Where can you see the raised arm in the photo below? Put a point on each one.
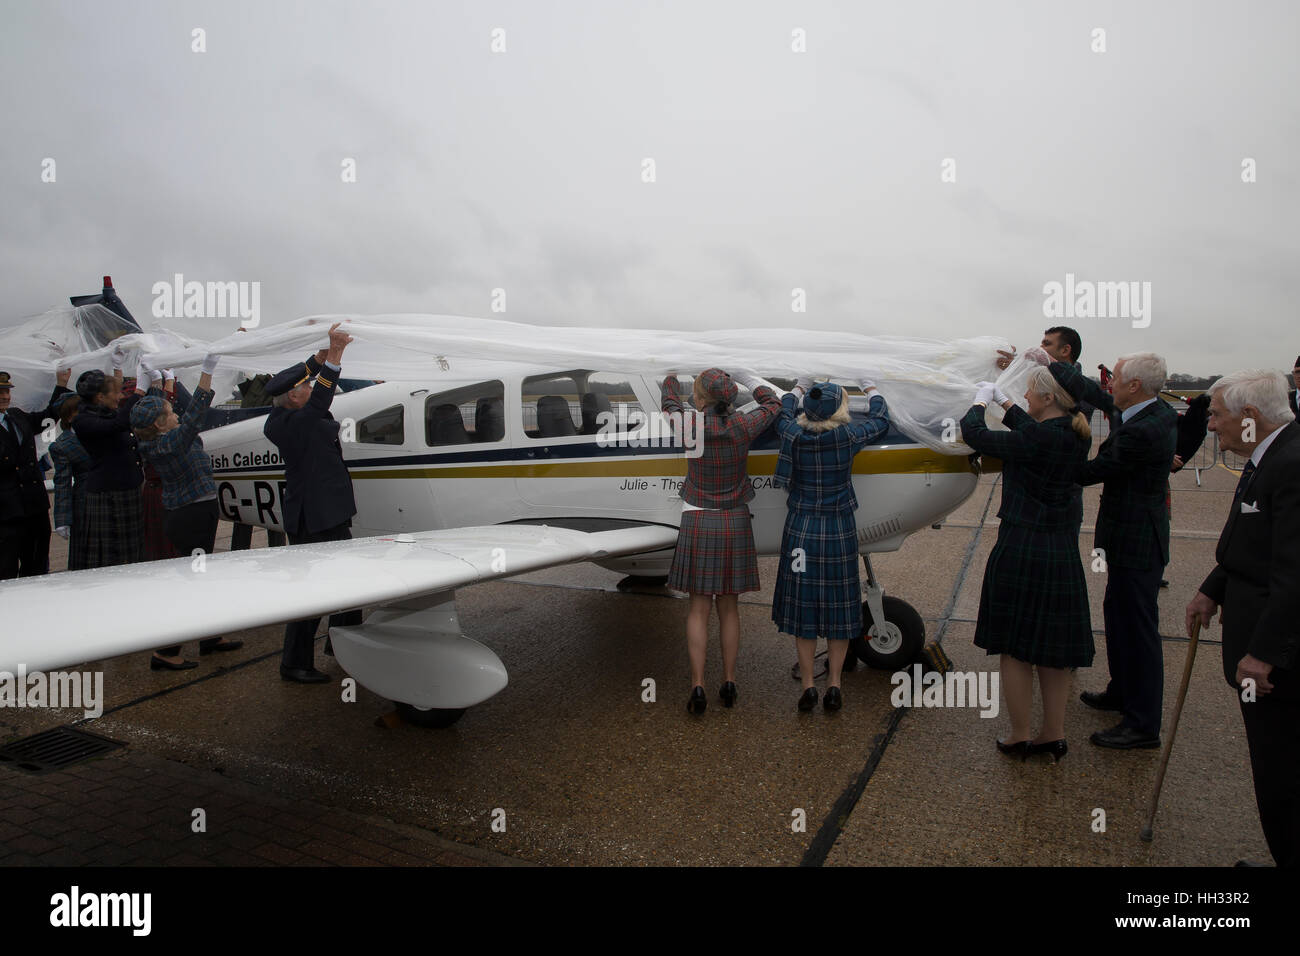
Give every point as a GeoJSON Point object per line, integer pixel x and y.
{"type": "Point", "coordinates": [1008, 445]}
{"type": "Point", "coordinates": [755, 422]}
{"type": "Point", "coordinates": [670, 391]}
{"type": "Point", "coordinates": [877, 421]}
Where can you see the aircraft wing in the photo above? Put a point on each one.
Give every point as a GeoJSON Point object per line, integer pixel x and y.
{"type": "Point", "coordinates": [58, 620]}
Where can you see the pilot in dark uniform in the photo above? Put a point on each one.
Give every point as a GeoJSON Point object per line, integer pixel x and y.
{"type": "Point", "coordinates": [24, 503]}
{"type": "Point", "coordinates": [318, 502]}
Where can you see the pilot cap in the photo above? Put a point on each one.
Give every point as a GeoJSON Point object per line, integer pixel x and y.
{"type": "Point", "coordinates": [822, 401]}
{"type": "Point", "coordinates": [717, 385]}
{"type": "Point", "coordinates": [5, 381]}
{"type": "Point", "coordinates": [146, 411]}
{"type": "Point", "coordinates": [288, 379]}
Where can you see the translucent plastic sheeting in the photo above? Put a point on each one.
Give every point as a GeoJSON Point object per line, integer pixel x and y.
{"type": "Point", "coordinates": [928, 383]}
{"type": "Point", "coordinates": [82, 337]}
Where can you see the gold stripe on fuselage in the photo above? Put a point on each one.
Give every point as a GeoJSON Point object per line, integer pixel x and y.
{"type": "Point", "coordinates": [882, 461]}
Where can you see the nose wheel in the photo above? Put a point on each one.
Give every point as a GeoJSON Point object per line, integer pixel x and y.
{"type": "Point", "coordinates": [893, 634]}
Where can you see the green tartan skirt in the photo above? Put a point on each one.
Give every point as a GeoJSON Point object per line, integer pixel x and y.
{"type": "Point", "coordinates": [1034, 602]}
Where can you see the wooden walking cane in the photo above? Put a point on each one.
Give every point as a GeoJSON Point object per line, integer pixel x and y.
{"type": "Point", "coordinates": [1173, 729]}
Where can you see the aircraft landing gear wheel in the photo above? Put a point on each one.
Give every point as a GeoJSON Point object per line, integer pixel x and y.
{"type": "Point", "coordinates": [898, 643]}
{"type": "Point", "coordinates": [434, 717]}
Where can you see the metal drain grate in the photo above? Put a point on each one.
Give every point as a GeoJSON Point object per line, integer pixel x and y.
{"type": "Point", "coordinates": [54, 750]}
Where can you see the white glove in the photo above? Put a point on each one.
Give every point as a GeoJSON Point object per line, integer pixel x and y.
{"type": "Point", "coordinates": [63, 531]}
{"type": "Point", "coordinates": [746, 377]}
{"type": "Point", "coordinates": [210, 363]}
{"type": "Point", "coordinates": [868, 386]}
{"type": "Point", "coordinates": [119, 358]}
{"type": "Point", "coordinates": [1038, 355]}
{"type": "Point", "coordinates": [169, 375]}
{"type": "Point", "coordinates": [152, 375]}
{"type": "Point", "coordinates": [984, 392]}
{"type": "Point", "coordinates": [1000, 396]}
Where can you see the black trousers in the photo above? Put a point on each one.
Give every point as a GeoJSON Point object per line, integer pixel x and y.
{"type": "Point", "coordinates": [1273, 734]}
{"type": "Point", "coordinates": [1133, 651]}
{"type": "Point", "coordinates": [241, 537]}
{"type": "Point", "coordinates": [300, 636]}
{"type": "Point", "coordinates": [191, 528]}
{"type": "Point", "coordinates": [25, 546]}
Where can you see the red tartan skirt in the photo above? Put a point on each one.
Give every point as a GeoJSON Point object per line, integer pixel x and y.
{"type": "Point", "coordinates": [157, 545]}
{"type": "Point", "coordinates": [715, 553]}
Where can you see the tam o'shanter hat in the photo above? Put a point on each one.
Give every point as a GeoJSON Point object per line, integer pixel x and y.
{"type": "Point", "coordinates": [717, 385]}
{"type": "Point", "coordinates": [288, 379]}
{"type": "Point", "coordinates": [146, 411]}
{"type": "Point", "coordinates": [822, 401]}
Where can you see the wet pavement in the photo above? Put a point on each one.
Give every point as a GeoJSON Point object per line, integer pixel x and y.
{"type": "Point", "coordinates": [571, 764]}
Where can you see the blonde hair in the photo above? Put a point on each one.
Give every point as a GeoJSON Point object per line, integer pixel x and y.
{"type": "Point", "coordinates": [841, 417]}
{"type": "Point", "coordinates": [1044, 383]}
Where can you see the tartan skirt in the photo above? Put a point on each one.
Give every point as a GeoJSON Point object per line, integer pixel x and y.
{"type": "Point", "coordinates": [818, 593]}
{"type": "Point", "coordinates": [112, 526]}
{"type": "Point", "coordinates": [1034, 601]}
{"type": "Point", "coordinates": [156, 543]}
{"type": "Point", "coordinates": [715, 553]}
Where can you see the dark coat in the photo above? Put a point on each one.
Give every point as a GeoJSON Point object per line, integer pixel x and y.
{"type": "Point", "coordinates": [22, 483]}
{"type": "Point", "coordinates": [1133, 466]}
{"type": "Point", "coordinates": [1258, 571]}
{"type": "Point", "coordinates": [318, 488]}
{"type": "Point", "coordinates": [1039, 461]}
{"type": "Point", "coordinates": [107, 437]}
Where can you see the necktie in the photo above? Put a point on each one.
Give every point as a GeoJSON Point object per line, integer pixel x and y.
{"type": "Point", "coordinates": [1244, 480]}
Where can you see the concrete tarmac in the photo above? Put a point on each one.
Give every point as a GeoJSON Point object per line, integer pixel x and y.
{"type": "Point", "coordinates": [570, 764]}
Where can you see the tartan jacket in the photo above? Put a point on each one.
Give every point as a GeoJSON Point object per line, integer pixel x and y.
{"type": "Point", "coordinates": [1133, 466]}
{"type": "Point", "coordinates": [822, 478]}
{"type": "Point", "coordinates": [1039, 461]}
{"type": "Point", "coordinates": [719, 477]}
{"type": "Point", "coordinates": [71, 462]}
{"type": "Point", "coordinates": [178, 456]}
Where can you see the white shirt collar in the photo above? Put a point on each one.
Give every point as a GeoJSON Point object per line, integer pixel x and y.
{"type": "Point", "coordinates": [1262, 447]}
{"type": "Point", "coordinates": [1134, 409]}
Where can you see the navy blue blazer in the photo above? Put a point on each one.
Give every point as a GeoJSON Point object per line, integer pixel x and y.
{"type": "Point", "coordinates": [317, 486]}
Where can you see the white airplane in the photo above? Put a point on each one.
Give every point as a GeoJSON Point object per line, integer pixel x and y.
{"type": "Point", "coordinates": [489, 474]}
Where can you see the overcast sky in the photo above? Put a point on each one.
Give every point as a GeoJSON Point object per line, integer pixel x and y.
{"type": "Point", "coordinates": [774, 169]}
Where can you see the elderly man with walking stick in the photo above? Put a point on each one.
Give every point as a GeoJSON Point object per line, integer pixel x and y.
{"type": "Point", "coordinates": [1257, 583]}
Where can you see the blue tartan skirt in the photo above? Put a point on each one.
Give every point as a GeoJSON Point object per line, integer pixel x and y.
{"type": "Point", "coordinates": [818, 593]}
{"type": "Point", "coordinates": [113, 528]}
{"type": "Point", "coordinates": [1034, 601]}
{"type": "Point", "coordinates": [715, 553]}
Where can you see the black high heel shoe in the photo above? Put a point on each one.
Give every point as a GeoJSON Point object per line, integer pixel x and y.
{"type": "Point", "coordinates": [727, 693]}
{"type": "Point", "coordinates": [698, 701]}
{"type": "Point", "coordinates": [1057, 748]}
{"type": "Point", "coordinates": [1019, 749]}
{"type": "Point", "coordinates": [809, 699]}
{"type": "Point", "coordinates": [833, 700]}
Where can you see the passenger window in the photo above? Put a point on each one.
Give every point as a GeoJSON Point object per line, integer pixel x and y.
{"type": "Point", "coordinates": [474, 414]}
{"type": "Point", "coordinates": [383, 428]}
{"type": "Point", "coordinates": [569, 404]}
